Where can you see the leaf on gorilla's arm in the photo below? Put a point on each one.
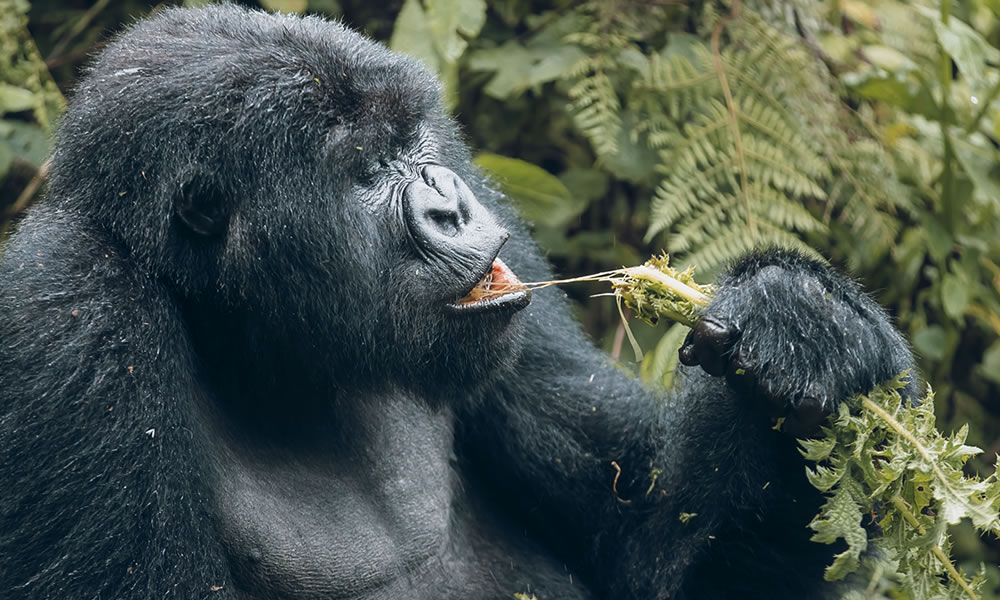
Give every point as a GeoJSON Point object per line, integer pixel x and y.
{"type": "Point", "coordinates": [840, 518]}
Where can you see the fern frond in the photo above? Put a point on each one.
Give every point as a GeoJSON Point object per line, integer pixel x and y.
{"type": "Point", "coordinates": [747, 168]}
{"type": "Point", "coordinates": [595, 103]}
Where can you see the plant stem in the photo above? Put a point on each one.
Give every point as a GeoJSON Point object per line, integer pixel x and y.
{"type": "Point", "coordinates": [681, 289]}
{"type": "Point", "coordinates": [904, 510]}
{"type": "Point", "coordinates": [941, 481]}
{"type": "Point", "coordinates": [889, 420]}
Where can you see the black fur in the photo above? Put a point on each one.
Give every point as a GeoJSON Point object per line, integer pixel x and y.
{"type": "Point", "coordinates": [227, 371]}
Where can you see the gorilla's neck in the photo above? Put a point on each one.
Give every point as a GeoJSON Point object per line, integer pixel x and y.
{"type": "Point", "coordinates": [265, 373]}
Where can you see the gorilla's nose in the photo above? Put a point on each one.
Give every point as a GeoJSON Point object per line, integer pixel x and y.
{"type": "Point", "coordinates": [443, 216]}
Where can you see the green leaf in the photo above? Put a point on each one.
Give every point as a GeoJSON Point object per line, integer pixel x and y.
{"type": "Point", "coordinates": [519, 67]}
{"type": "Point", "coordinates": [979, 160]}
{"type": "Point", "coordinates": [990, 367]}
{"type": "Point", "coordinates": [954, 296]}
{"type": "Point", "coordinates": [587, 185]}
{"type": "Point", "coordinates": [511, 63]}
{"type": "Point", "coordinates": [634, 161]}
{"type": "Point", "coordinates": [970, 50]}
{"type": "Point", "coordinates": [540, 196]}
{"type": "Point", "coordinates": [900, 469]}
{"type": "Point", "coordinates": [840, 518]}
{"type": "Point", "coordinates": [683, 44]}
{"type": "Point", "coordinates": [892, 88]}
{"type": "Point", "coordinates": [817, 449]}
{"type": "Point", "coordinates": [411, 35]}
{"type": "Point", "coordinates": [15, 99]}
{"type": "Point", "coordinates": [285, 6]}
{"type": "Point", "coordinates": [450, 20]}
{"type": "Point", "coordinates": [939, 241]}
{"type": "Point", "coordinates": [658, 366]}
{"type": "Point", "coordinates": [434, 36]}
{"type": "Point", "coordinates": [931, 342]}
{"type": "Point", "coordinates": [887, 58]}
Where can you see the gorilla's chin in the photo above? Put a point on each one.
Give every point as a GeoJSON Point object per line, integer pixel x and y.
{"type": "Point", "coordinates": [475, 350]}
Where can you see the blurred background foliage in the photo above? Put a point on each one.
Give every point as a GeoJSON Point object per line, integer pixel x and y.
{"type": "Point", "coordinates": [862, 131]}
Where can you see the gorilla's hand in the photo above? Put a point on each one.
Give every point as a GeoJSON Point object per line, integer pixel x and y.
{"type": "Point", "coordinates": [796, 337]}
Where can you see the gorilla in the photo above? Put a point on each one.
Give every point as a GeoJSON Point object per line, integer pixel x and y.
{"type": "Point", "coordinates": [266, 338]}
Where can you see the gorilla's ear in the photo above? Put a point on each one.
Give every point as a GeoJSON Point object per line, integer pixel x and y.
{"type": "Point", "coordinates": [200, 204]}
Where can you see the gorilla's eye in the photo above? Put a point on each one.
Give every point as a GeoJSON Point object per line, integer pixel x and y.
{"type": "Point", "coordinates": [374, 170]}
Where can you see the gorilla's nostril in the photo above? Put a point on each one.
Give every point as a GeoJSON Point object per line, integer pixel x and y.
{"type": "Point", "coordinates": [446, 221]}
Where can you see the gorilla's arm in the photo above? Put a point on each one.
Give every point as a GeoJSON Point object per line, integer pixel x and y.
{"type": "Point", "coordinates": [102, 478]}
{"type": "Point", "coordinates": [706, 486]}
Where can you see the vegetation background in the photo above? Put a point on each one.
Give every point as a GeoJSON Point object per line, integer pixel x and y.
{"type": "Point", "coordinates": [863, 131]}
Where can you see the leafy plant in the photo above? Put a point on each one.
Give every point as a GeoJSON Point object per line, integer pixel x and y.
{"type": "Point", "coordinates": [881, 460]}
{"type": "Point", "coordinates": [877, 458]}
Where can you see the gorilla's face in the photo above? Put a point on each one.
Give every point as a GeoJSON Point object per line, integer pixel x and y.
{"type": "Point", "coordinates": [437, 300]}
{"type": "Point", "coordinates": [312, 202]}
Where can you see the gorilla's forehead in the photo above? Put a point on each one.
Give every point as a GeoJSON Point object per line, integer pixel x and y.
{"type": "Point", "coordinates": [231, 71]}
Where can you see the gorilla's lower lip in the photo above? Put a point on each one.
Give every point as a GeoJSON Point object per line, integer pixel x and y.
{"type": "Point", "coordinates": [498, 288]}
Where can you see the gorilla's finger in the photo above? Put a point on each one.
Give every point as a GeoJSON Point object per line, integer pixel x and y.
{"type": "Point", "coordinates": [709, 344]}
{"type": "Point", "coordinates": [710, 359]}
{"type": "Point", "coordinates": [686, 353]}
{"type": "Point", "coordinates": [716, 334]}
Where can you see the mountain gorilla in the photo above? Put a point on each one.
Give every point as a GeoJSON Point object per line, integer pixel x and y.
{"type": "Point", "coordinates": [262, 341]}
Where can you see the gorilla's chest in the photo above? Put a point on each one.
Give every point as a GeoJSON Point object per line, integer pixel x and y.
{"type": "Point", "coordinates": [340, 508]}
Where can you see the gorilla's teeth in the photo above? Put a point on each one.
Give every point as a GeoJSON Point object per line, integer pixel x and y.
{"type": "Point", "coordinates": [498, 281]}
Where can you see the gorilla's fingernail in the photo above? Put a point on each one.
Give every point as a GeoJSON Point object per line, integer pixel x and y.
{"type": "Point", "coordinates": [686, 355]}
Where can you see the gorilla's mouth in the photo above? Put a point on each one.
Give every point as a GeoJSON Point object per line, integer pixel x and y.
{"type": "Point", "coordinates": [498, 288]}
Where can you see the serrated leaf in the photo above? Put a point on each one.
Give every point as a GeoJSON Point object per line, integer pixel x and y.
{"type": "Point", "coordinates": [841, 519]}
{"type": "Point", "coordinates": [897, 466]}
{"type": "Point", "coordinates": [823, 478]}
{"type": "Point", "coordinates": [817, 449]}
